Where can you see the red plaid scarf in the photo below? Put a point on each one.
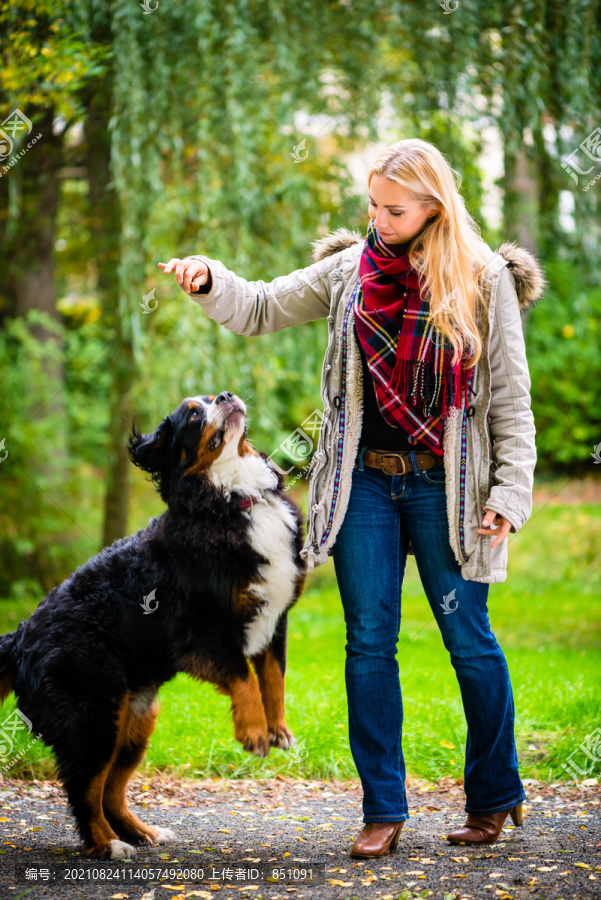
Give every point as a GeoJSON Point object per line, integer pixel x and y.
{"type": "Point", "coordinates": [414, 382]}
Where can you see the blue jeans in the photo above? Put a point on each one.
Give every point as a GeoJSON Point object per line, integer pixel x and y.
{"type": "Point", "coordinates": [370, 553]}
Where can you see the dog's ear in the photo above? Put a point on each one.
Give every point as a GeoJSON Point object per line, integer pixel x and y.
{"type": "Point", "coordinates": [152, 452]}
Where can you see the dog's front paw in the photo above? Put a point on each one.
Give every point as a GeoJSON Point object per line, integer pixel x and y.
{"type": "Point", "coordinates": [121, 850]}
{"type": "Point", "coordinates": [256, 741]}
{"type": "Point", "coordinates": [281, 736]}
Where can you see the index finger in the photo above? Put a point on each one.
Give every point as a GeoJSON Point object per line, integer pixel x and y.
{"type": "Point", "coordinates": [170, 266]}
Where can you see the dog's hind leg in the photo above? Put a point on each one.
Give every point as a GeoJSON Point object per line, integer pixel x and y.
{"type": "Point", "coordinates": [139, 725]}
{"type": "Point", "coordinates": [85, 779]}
{"type": "Point", "coordinates": [270, 666]}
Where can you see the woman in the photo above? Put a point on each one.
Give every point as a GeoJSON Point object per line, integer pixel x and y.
{"type": "Point", "coordinates": [427, 426]}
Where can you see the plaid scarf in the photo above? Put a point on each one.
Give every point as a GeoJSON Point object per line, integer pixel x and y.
{"type": "Point", "coordinates": [409, 360]}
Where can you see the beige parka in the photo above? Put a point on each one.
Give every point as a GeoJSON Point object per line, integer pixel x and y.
{"type": "Point", "coordinates": [489, 446]}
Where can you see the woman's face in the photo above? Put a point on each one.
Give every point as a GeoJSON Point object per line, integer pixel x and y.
{"type": "Point", "coordinates": [397, 216]}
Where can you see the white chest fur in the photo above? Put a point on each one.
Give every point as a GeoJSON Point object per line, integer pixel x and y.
{"type": "Point", "coordinates": [272, 526]}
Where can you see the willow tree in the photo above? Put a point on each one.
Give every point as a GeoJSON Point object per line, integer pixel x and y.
{"type": "Point", "coordinates": [532, 68]}
{"type": "Point", "coordinates": [203, 97]}
{"type": "Point", "coordinates": [191, 119]}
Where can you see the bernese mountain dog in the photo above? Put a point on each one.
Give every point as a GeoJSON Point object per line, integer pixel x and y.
{"type": "Point", "coordinates": [203, 589]}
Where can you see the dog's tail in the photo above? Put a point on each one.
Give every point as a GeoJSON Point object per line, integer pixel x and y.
{"type": "Point", "coordinates": [7, 664]}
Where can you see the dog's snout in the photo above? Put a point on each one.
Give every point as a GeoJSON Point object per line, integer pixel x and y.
{"type": "Point", "coordinates": [224, 397]}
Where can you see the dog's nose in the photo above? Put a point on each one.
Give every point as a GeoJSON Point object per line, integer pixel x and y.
{"type": "Point", "coordinates": [224, 397]}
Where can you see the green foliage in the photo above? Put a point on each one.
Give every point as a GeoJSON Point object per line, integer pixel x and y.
{"type": "Point", "coordinates": [564, 355]}
{"type": "Point", "coordinates": [47, 56]}
{"type": "Point", "coordinates": [40, 540]}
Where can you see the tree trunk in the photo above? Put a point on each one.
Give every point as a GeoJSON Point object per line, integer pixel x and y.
{"type": "Point", "coordinates": [521, 201]}
{"type": "Point", "coordinates": [38, 188]}
{"type": "Point", "coordinates": [105, 227]}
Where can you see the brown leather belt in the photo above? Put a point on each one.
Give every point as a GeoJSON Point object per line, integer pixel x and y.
{"type": "Point", "coordinates": [399, 463]}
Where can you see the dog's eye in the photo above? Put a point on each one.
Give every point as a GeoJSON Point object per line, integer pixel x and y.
{"type": "Point", "coordinates": [193, 414]}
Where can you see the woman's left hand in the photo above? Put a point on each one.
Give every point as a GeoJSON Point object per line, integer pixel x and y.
{"type": "Point", "coordinates": [502, 529]}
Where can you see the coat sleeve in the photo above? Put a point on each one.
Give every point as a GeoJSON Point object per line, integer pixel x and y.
{"type": "Point", "coordinates": [259, 307]}
{"type": "Point", "coordinates": [510, 415]}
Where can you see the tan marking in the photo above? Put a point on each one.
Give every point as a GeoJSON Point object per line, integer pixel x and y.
{"type": "Point", "coordinates": [183, 456]}
{"type": "Point", "coordinates": [101, 831]}
{"type": "Point", "coordinates": [246, 449]}
{"type": "Point", "coordinates": [138, 728]}
{"type": "Point", "coordinates": [248, 600]}
{"type": "Point", "coordinates": [205, 457]}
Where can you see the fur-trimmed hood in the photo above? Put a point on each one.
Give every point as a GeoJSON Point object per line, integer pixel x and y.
{"type": "Point", "coordinates": [528, 273]}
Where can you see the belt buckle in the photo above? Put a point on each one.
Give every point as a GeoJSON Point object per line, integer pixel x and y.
{"type": "Point", "coordinates": [397, 456]}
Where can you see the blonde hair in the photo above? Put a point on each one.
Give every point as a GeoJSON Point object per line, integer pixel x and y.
{"type": "Point", "coordinates": [448, 253]}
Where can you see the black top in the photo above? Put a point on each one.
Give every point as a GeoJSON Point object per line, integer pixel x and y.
{"type": "Point", "coordinates": [376, 433]}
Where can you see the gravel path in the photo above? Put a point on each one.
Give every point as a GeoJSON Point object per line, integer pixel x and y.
{"type": "Point", "coordinates": [280, 822]}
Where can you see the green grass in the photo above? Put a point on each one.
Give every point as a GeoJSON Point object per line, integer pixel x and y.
{"type": "Point", "coordinates": [547, 617]}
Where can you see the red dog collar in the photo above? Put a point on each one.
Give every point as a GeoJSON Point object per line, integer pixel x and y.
{"type": "Point", "coordinates": [247, 502]}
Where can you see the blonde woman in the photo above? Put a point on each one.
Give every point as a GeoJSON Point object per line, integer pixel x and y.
{"type": "Point", "coordinates": [427, 447]}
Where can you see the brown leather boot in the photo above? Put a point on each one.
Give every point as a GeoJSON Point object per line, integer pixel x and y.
{"type": "Point", "coordinates": [377, 839]}
{"type": "Point", "coordinates": [485, 828]}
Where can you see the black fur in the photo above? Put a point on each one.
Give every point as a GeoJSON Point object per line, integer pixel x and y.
{"type": "Point", "coordinates": [89, 644]}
